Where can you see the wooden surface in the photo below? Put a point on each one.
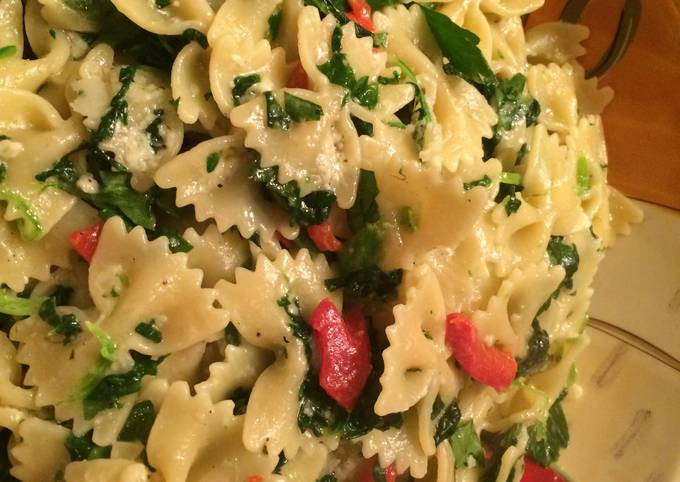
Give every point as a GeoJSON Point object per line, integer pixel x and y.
{"type": "Point", "coordinates": [642, 124]}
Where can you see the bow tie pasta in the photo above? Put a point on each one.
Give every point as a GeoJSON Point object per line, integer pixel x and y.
{"type": "Point", "coordinates": [287, 240]}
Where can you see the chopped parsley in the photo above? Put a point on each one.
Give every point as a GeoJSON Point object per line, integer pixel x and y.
{"type": "Point", "coordinates": [83, 448]}
{"type": "Point", "coordinates": [211, 161]}
{"type": "Point", "coordinates": [306, 211]}
{"type": "Point", "coordinates": [149, 331]}
{"type": "Point", "coordinates": [66, 326]}
{"type": "Point", "coordinates": [243, 84]}
{"type": "Point", "coordinates": [138, 423]}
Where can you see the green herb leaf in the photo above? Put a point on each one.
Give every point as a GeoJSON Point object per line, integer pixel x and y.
{"type": "Point", "coordinates": [8, 51]}
{"type": "Point", "coordinates": [465, 443]}
{"type": "Point", "coordinates": [537, 351]}
{"type": "Point", "coordinates": [566, 256]}
{"type": "Point", "coordinates": [108, 391]}
{"type": "Point", "coordinates": [582, 176]}
{"type": "Point", "coordinates": [242, 85]}
{"type": "Point", "coordinates": [459, 47]}
{"type": "Point", "coordinates": [62, 170]}
{"type": "Point", "coordinates": [362, 250]}
{"type": "Point", "coordinates": [365, 93]}
{"type": "Point", "coordinates": [306, 211]}
{"type": "Point", "coordinates": [298, 325]}
{"type": "Point", "coordinates": [365, 208]}
{"type": "Point", "coordinates": [107, 346]}
{"type": "Point", "coordinates": [497, 443]}
{"type": "Point", "coordinates": [138, 423]}
{"type": "Point", "coordinates": [274, 23]}
{"type": "Point", "coordinates": [394, 79]}
{"type": "Point", "coordinates": [367, 282]}
{"type": "Point", "coordinates": [514, 178]}
{"type": "Point", "coordinates": [152, 130]}
{"type": "Point", "coordinates": [277, 117]}
{"type": "Point", "coordinates": [420, 114]}
{"type": "Point", "coordinates": [83, 448]}
{"type": "Point", "coordinates": [67, 325]}
{"type": "Point", "coordinates": [162, 3]}
{"type": "Point", "coordinates": [301, 110]}
{"type": "Point", "coordinates": [211, 161]}
{"type": "Point", "coordinates": [149, 331]}
{"type": "Point", "coordinates": [29, 223]}
{"type": "Point", "coordinates": [117, 195]}
{"type": "Point", "coordinates": [546, 440]}
{"type": "Point", "coordinates": [448, 421]}
{"type": "Point", "coordinates": [509, 191]}
{"type": "Point", "coordinates": [193, 35]}
{"type": "Point", "coordinates": [11, 304]}
{"type": "Point", "coordinates": [484, 181]}
{"type": "Point", "coordinates": [176, 242]}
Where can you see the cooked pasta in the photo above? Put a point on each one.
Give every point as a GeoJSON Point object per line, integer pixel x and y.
{"type": "Point", "coordinates": [294, 240]}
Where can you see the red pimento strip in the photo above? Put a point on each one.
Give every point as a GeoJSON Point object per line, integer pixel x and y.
{"type": "Point", "coordinates": [298, 77]}
{"type": "Point", "coordinates": [254, 478]}
{"type": "Point", "coordinates": [85, 241]}
{"type": "Point", "coordinates": [285, 242]}
{"type": "Point", "coordinates": [486, 364]}
{"type": "Point", "coordinates": [367, 473]}
{"type": "Point", "coordinates": [323, 237]}
{"type": "Point", "coordinates": [535, 473]}
{"type": "Point", "coordinates": [345, 352]}
{"type": "Point", "coordinates": [361, 14]}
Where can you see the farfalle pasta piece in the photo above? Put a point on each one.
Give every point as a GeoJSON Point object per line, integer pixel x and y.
{"type": "Point", "coordinates": [106, 470]}
{"type": "Point", "coordinates": [443, 218]}
{"type": "Point", "coordinates": [194, 439]}
{"type": "Point", "coordinates": [151, 133]}
{"type": "Point", "coordinates": [127, 271]}
{"type": "Point", "coordinates": [558, 42]}
{"type": "Point", "coordinates": [216, 254]}
{"type": "Point", "coordinates": [553, 87]}
{"type": "Point", "coordinates": [39, 452]}
{"type": "Point", "coordinates": [224, 194]}
{"type": "Point", "coordinates": [173, 19]}
{"type": "Point", "coordinates": [11, 392]}
{"type": "Point", "coordinates": [416, 355]}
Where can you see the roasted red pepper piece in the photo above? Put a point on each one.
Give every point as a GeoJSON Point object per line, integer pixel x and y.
{"type": "Point", "coordinates": [298, 77]}
{"type": "Point", "coordinates": [254, 478]}
{"type": "Point", "coordinates": [345, 352]}
{"type": "Point", "coordinates": [285, 242]}
{"type": "Point", "coordinates": [323, 237]}
{"type": "Point", "coordinates": [536, 473]}
{"type": "Point", "coordinates": [361, 14]}
{"type": "Point", "coordinates": [486, 364]}
{"type": "Point", "coordinates": [367, 473]}
{"type": "Point", "coordinates": [85, 241]}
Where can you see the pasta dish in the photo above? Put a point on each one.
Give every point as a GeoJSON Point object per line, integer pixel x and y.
{"type": "Point", "coordinates": [294, 240]}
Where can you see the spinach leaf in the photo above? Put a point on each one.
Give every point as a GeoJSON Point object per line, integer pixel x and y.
{"type": "Point", "coordinates": [193, 35]}
{"type": "Point", "coordinates": [211, 161]}
{"type": "Point", "coordinates": [509, 191]}
{"type": "Point", "coordinates": [301, 110]}
{"type": "Point", "coordinates": [67, 325]}
{"type": "Point", "coordinates": [362, 250]}
{"type": "Point", "coordinates": [298, 325]}
{"type": "Point", "coordinates": [420, 114]}
{"type": "Point", "coordinates": [62, 170]}
{"type": "Point", "coordinates": [274, 23]}
{"type": "Point", "coordinates": [138, 423]}
{"type": "Point", "coordinates": [176, 243]}
{"type": "Point", "coordinates": [152, 130]}
{"type": "Point", "coordinates": [484, 181]}
{"type": "Point", "coordinates": [116, 196]}
{"type": "Point", "coordinates": [277, 117]}
{"type": "Point", "coordinates": [108, 391]}
{"type": "Point", "coordinates": [305, 211]}
{"type": "Point", "coordinates": [546, 440]}
{"type": "Point", "coordinates": [83, 448]}
{"type": "Point", "coordinates": [242, 85]}
{"type": "Point", "coordinates": [566, 256]}
{"type": "Point", "coordinates": [366, 282]}
{"type": "Point", "coordinates": [162, 3]}
{"type": "Point", "coordinates": [149, 331]}
{"type": "Point", "coordinates": [459, 48]}
{"type": "Point", "coordinates": [465, 443]}
{"type": "Point", "coordinates": [365, 208]}
{"type": "Point", "coordinates": [447, 423]}
{"type": "Point", "coordinates": [537, 351]}
{"type": "Point", "coordinates": [497, 444]}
